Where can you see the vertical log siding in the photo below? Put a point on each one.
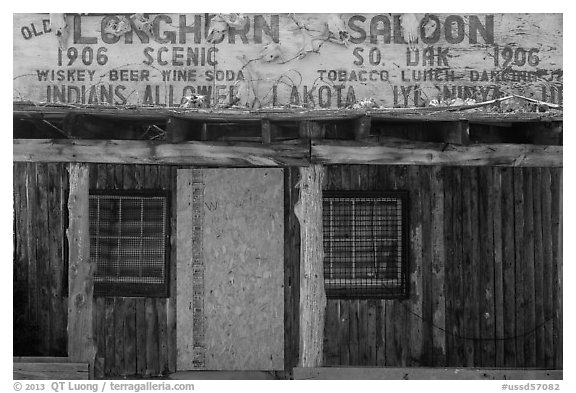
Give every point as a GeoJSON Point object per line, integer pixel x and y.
{"type": "Point", "coordinates": [484, 263]}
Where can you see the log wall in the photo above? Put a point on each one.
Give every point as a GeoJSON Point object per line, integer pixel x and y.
{"type": "Point", "coordinates": [485, 273]}
{"type": "Point", "coordinates": [484, 263]}
{"type": "Point", "coordinates": [40, 290]}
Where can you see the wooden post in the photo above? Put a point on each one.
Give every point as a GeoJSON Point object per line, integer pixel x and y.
{"type": "Point", "coordinates": [81, 344]}
{"type": "Point", "coordinates": [176, 130]}
{"type": "Point", "coordinates": [308, 210]}
{"type": "Point", "coordinates": [266, 131]}
{"type": "Point", "coordinates": [312, 130]}
{"type": "Point", "coordinates": [362, 128]}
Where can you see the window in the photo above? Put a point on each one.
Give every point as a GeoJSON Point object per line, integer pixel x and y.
{"type": "Point", "coordinates": [365, 244]}
{"type": "Point", "coordinates": [129, 242]}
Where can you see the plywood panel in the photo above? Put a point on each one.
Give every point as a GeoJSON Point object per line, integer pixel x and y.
{"type": "Point", "coordinates": [243, 258]}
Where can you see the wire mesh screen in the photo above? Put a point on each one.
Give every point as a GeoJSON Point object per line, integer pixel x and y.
{"type": "Point", "coordinates": [365, 244]}
{"type": "Point", "coordinates": [128, 241]}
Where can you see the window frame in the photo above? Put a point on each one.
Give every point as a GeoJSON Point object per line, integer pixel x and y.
{"type": "Point", "coordinates": [141, 290]}
{"type": "Point", "coordinates": [356, 293]}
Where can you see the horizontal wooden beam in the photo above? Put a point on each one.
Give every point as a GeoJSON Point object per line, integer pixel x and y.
{"type": "Point", "coordinates": [288, 153]}
{"type": "Point", "coordinates": [279, 114]}
{"type": "Point", "coordinates": [50, 370]}
{"type": "Point", "coordinates": [421, 373]}
{"type": "Point", "coordinates": [292, 153]}
{"type": "Point", "coordinates": [427, 153]}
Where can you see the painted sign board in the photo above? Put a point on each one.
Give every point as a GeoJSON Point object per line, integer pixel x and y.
{"type": "Point", "coordinates": [308, 60]}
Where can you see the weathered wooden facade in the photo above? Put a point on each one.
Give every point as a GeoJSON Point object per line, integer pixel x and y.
{"type": "Point", "coordinates": [244, 236]}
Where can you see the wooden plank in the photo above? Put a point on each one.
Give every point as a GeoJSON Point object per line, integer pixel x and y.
{"type": "Point", "coordinates": [424, 373]}
{"type": "Point", "coordinates": [416, 330]}
{"type": "Point", "coordinates": [331, 325]}
{"type": "Point", "coordinates": [152, 356]}
{"type": "Point", "coordinates": [130, 336]}
{"type": "Point", "coordinates": [475, 265]}
{"type": "Point", "coordinates": [538, 268]}
{"type": "Point", "coordinates": [387, 330]}
{"type": "Point", "coordinates": [128, 176]}
{"type": "Point", "coordinates": [427, 299]}
{"type": "Point", "coordinates": [557, 284]}
{"type": "Point", "coordinates": [119, 327]}
{"type": "Point", "coordinates": [109, 355]}
{"type": "Point", "coordinates": [44, 267]}
{"type": "Point", "coordinates": [171, 302]}
{"type": "Point", "coordinates": [41, 359]}
{"type": "Point", "coordinates": [289, 153]}
{"type": "Point", "coordinates": [81, 345]}
{"type": "Point", "coordinates": [162, 335]}
{"type": "Point", "coordinates": [42, 258]}
{"type": "Point", "coordinates": [486, 264]}
{"type": "Point", "coordinates": [520, 257]}
{"type": "Point", "coordinates": [371, 332]}
{"type": "Point", "coordinates": [140, 336]}
{"type": "Point", "coordinates": [529, 308]}
{"type": "Point", "coordinates": [395, 313]}
{"type": "Point", "coordinates": [139, 177]}
{"type": "Point", "coordinates": [101, 181]}
{"type": "Point", "coordinates": [32, 234]}
{"type": "Point", "coordinates": [508, 266]}
{"type": "Point", "coordinates": [451, 279]}
{"type": "Point", "coordinates": [344, 333]}
{"type": "Point", "coordinates": [50, 371]}
{"type": "Point", "coordinates": [118, 176]}
{"type": "Point", "coordinates": [380, 333]}
{"type": "Point", "coordinates": [352, 339]}
{"type": "Point", "coordinates": [359, 181]}
{"type": "Point", "coordinates": [459, 288]}
{"type": "Point", "coordinates": [402, 321]}
{"type": "Point", "coordinates": [560, 275]}
{"type": "Point", "coordinates": [363, 343]}
{"type": "Point", "coordinates": [21, 291]}
{"type": "Point", "coordinates": [128, 305]}
{"type": "Point", "coordinates": [468, 273]}
{"type": "Point", "coordinates": [427, 153]}
{"type": "Point", "coordinates": [100, 336]}
{"type": "Point", "coordinates": [151, 177]}
{"type": "Point", "coordinates": [495, 207]}
{"type": "Point", "coordinates": [278, 114]}
{"type": "Point", "coordinates": [438, 276]}
{"type": "Point", "coordinates": [58, 304]}
{"type": "Point", "coordinates": [548, 267]}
